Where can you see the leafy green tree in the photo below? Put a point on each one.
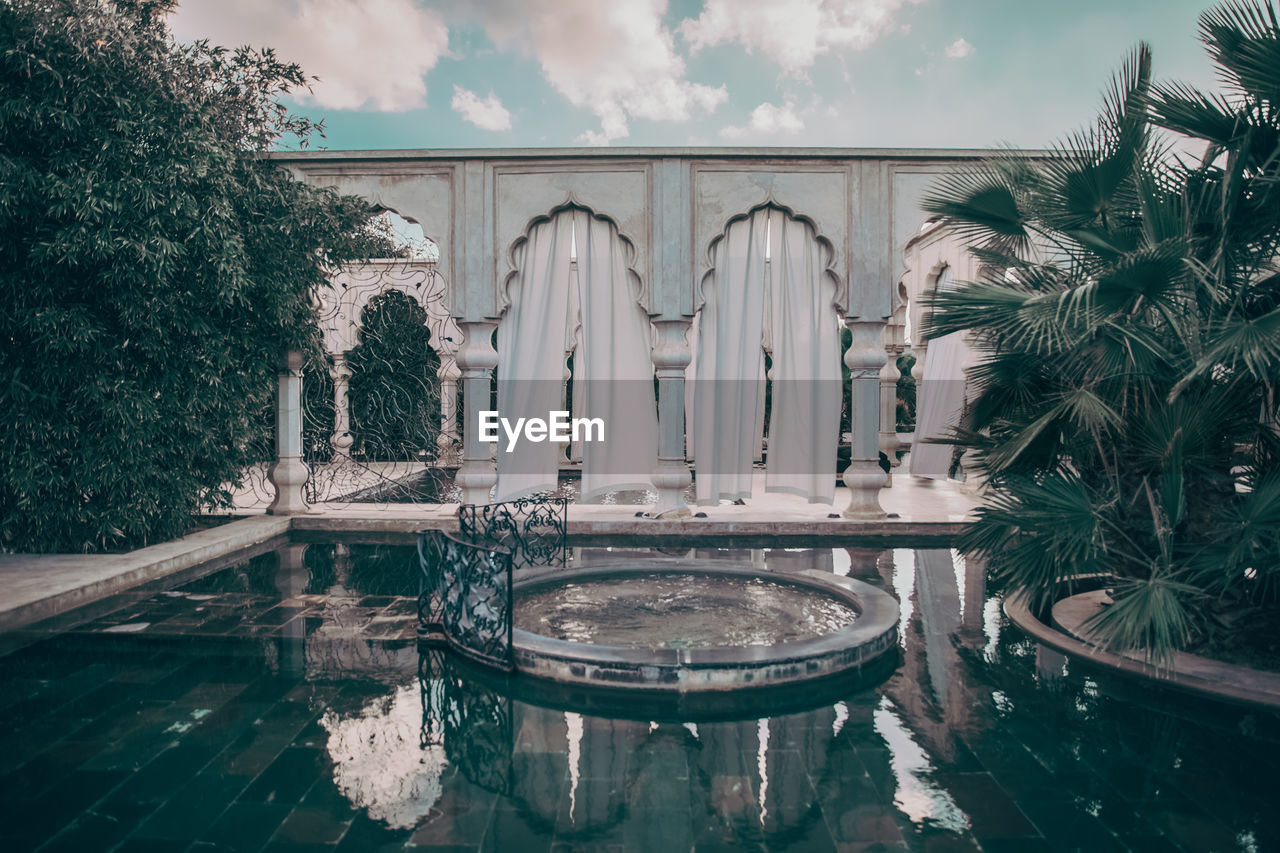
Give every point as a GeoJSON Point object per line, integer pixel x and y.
{"type": "Point", "coordinates": [1129, 313]}
{"type": "Point", "coordinates": [154, 266]}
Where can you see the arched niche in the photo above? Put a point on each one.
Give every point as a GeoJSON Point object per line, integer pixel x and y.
{"type": "Point", "coordinates": [616, 191]}
{"type": "Point", "coordinates": [355, 285]}
{"type": "Point", "coordinates": [419, 193]}
{"type": "Point", "coordinates": [828, 253]}
{"type": "Point", "coordinates": [933, 249]}
{"type": "Point", "coordinates": [635, 282]}
{"type": "Point", "coordinates": [819, 196]}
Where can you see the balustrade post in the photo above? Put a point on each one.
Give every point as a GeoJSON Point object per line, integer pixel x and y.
{"type": "Point", "coordinates": [671, 355]}
{"type": "Point", "coordinates": [448, 440]}
{"type": "Point", "coordinates": [889, 375]}
{"type": "Point", "coordinates": [864, 476]}
{"type": "Point", "coordinates": [476, 360]}
{"type": "Point", "coordinates": [289, 473]}
{"type": "Point", "coordinates": [341, 439]}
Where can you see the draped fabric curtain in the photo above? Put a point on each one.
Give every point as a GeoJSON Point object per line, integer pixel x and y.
{"type": "Point", "coordinates": [804, 420]}
{"type": "Point", "coordinates": [616, 370]}
{"type": "Point", "coordinates": [555, 306]}
{"type": "Point", "coordinates": [939, 399]}
{"type": "Point", "coordinates": [728, 393]}
{"type": "Point", "coordinates": [777, 298]}
{"type": "Point", "coordinates": [531, 341]}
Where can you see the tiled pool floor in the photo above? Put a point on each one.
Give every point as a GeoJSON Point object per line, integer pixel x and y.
{"type": "Point", "coordinates": [291, 711]}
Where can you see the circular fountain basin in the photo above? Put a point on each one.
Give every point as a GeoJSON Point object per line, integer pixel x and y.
{"type": "Point", "coordinates": [689, 625]}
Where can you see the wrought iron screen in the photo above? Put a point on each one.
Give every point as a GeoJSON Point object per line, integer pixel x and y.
{"type": "Point", "coordinates": [466, 597]}
{"type": "Point", "coordinates": [533, 529]}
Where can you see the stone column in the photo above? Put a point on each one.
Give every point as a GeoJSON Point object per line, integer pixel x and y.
{"type": "Point", "coordinates": [671, 356]}
{"type": "Point", "coordinates": [448, 439]}
{"type": "Point", "coordinates": [889, 400]}
{"type": "Point", "coordinates": [289, 473]}
{"type": "Point", "coordinates": [341, 375]}
{"type": "Point", "coordinates": [476, 360]}
{"type": "Point", "coordinates": [864, 476]}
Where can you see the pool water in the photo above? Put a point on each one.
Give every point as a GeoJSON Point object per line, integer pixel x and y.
{"type": "Point", "coordinates": [282, 705]}
{"type": "Point", "coordinates": [681, 611]}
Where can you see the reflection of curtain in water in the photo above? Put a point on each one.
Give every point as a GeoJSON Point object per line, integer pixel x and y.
{"type": "Point", "coordinates": [769, 288]}
{"type": "Point", "coordinates": [613, 368]}
{"type": "Point", "coordinates": [939, 600]}
{"type": "Point", "coordinates": [940, 399]}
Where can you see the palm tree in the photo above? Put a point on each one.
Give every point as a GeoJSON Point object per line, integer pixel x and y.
{"type": "Point", "coordinates": [1129, 315]}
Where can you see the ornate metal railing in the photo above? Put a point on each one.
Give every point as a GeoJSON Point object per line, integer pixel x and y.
{"type": "Point", "coordinates": [465, 594]}
{"type": "Point", "coordinates": [465, 589]}
{"type": "Point", "coordinates": [534, 529]}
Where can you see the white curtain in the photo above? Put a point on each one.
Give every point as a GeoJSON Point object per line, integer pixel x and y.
{"type": "Point", "coordinates": [939, 399]}
{"type": "Point", "coordinates": [555, 305]}
{"type": "Point", "coordinates": [615, 368]}
{"type": "Point", "coordinates": [728, 393]}
{"type": "Point", "coordinates": [780, 298]}
{"type": "Point", "coordinates": [804, 421]}
{"type": "Point", "coordinates": [531, 341]}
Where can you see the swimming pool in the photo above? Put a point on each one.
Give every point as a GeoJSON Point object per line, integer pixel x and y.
{"type": "Point", "coordinates": [282, 703]}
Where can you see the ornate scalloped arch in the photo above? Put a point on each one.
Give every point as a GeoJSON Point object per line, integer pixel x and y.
{"type": "Point", "coordinates": [828, 251]}
{"type": "Point", "coordinates": [635, 283]}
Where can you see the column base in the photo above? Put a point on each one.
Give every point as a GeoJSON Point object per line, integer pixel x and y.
{"type": "Point", "coordinates": [671, 480]}
{"type": "Point", "coordinates": [865, 478]}
{"type": "Point", "coordinates": [476, 479]}
{"type": "Point", "coordinates": [288, 476]}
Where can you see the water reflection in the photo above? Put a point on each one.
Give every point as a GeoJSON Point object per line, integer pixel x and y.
{"type": "Point", "coordinates": [980, 739]}
{"type": "Point", "coordinates": [380, 763]}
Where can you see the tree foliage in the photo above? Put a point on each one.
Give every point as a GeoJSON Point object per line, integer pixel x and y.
{"type": "Point", "coordinates": [1129, 313]}
{"type": "Point", "coordinates": [155, 267]}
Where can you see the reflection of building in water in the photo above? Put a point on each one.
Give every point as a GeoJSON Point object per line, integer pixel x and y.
{"type": "Point", "coordinates": [330, 648]}
{"type": "Point", "coordinates": [860, 769]}
{"type": "Point", "coordinates": [379, 764]}
{"type": "Point", "coordinates": [941, 595]}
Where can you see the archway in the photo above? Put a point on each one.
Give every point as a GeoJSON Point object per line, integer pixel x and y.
{"type": "Point", "coordinates": [574, 294]}
{"type": "Point", "coordinates": [770, 295]}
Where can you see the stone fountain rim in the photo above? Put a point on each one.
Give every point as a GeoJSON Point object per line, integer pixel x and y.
{"type": "Point", "coordinates": [872, 635]}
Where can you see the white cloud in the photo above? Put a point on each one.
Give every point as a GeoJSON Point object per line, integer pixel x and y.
{"type": "Point", "coordinates": [615, 59]}
{"type": "Point", "coordinates": [767, 120]}
{"type": "Point", "coordinates": [958, 49]}
{"type": "Point", "coordinates": [487, 114]}
{"type": "Point", "coordinates": [795, 32]}
{"type": "Point", "coordinates": [365, 52]}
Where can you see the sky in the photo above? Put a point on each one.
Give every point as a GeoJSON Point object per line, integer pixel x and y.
{"type": "Point", "coordinates": [840, 73]}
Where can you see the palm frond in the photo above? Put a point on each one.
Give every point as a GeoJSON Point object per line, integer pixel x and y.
{"type": "Point", "coordinates": [1147, 614]}
{"type": "Point", "coordinates": [983, 206]}
{"type": "Point", "coordinates": [1187, 110]}
{"type": "Point", "coordinates": [1248, 342]}
{"type": "Point", "coordinates": [1243, 37]}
